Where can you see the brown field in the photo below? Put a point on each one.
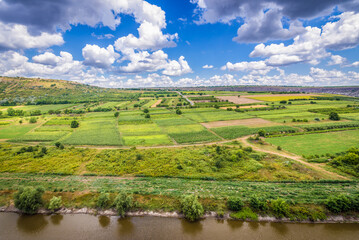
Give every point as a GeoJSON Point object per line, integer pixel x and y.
{"type": "Point", "coordinates": [238, 100]}
{"type": "Point", "coordinates": [284, 95]}
{"type": "Point", "coordinates": [251, 122]}
{"type": "Point", "coordinates": [156, 103]}
{"type": "Point", "coordinates": [197, 95]}
{"type": "Point", "coordinates": [251, 106]}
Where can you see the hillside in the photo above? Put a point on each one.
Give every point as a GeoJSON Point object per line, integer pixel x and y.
{"type": "Point", "coordinates": [35, 90]}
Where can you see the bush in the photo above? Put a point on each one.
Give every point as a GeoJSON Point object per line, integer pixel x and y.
{"type": "Point", "coordinates": [191, 208]}
{"type": "Point", "coordinates": [245, 214]}
{"type": "Point", "coordinates": [235, 204]}
{"type": "Point", "coordinates": [146, 110]}
{"type": "Point", "coordinates": [279, 148]}
{"type": "Point", "coordinates": [74, 124]}
{"type": "Point", "coordinates": [55, 203]}
{"type": "Point", "coordinates": [103, 201]}
{"type": "Point", "coordinates": [147, 115]}
{"type": "Point", "coordinates": [261, 133]}
{"type": "Point", "coordinates": [338, 204]}
{"type": "Point", "coordinates": [29, 199]}
{"type": "Point", "coordinates": [258, 203]}
{"type": "Point", "coordinates": [280, 208]}
{"type": "Point", "coordinates": [116, 114]}
{"type": "Point", "coordinates": [178, 111]}
{"type": "Point", "coordinates": [33, 120]}
{"type": "Point", "coordinates": [334, 116]}
{"type": "Point", "coordinates": [123, 203]}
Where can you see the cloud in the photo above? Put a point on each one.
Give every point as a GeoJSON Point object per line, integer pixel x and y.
{"type": "Point", "coordinates": [144, 61]}
{"type": "Point", "coordinates": [99, 57]}
{"type": "Point", "coordinates": [102, 36]}
{"type": "Point", "coordinates": [16, 36]}
{"type": "Point", "coordinates": [207, 66]}
{"type": "Point", "coordinates": [337, 60]}
{"type": "Point", "coordinates": [263, 19]}
{"type": "Point", "coordinates": [150, 37]}
{"type": "Point", "coordinates": [312, 45]}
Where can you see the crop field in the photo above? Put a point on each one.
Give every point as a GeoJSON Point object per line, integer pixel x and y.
{"type": "Point", "coordinates": [216, 116]}
{"type": "Point", "coordinates": [13, 131]}
{"type": "Point", "coordinates": [280, 97]}
{"type": "Point", "coordinates": [321, 143]}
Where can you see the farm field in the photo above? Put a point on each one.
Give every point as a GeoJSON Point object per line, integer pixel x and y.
{"type": "Point", "coordinates": [318, 144]}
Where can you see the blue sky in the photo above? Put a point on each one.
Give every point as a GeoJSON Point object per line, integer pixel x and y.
{"type": "Point", "coordinates": [137, 43]}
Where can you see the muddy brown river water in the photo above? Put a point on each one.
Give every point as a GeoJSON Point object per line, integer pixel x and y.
{"type": "Point", "coordinates": [40, 227]}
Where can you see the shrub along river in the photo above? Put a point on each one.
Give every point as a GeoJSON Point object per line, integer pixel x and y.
{"type": "Point", "coordinates": [15, 226]}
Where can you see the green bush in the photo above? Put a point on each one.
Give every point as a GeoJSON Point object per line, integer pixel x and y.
{"type": "Point", "coordinates": [235, 204]}
{"type": "Point", "coordinates": [191, 208]}
{"type": "Point", "coordinates": [103, 201]}
{"type": "Point", "coordinates": [261, 133]}
{"type": "Point", "coordinates": [116, 114]}
{"type": "Point", "coordinates": [334, 116]}
{"type": "Point", "coordinates": [338, 204]}
{"type": "Point", "coordinates": [33, 120]}
{"type": "Point", "coordinates": [258, 203]}
{"type": "Point", "coordinates": [178, 111]}
{"type": "Point", "coordinates": [280, 208]}
{"type": "Point", "coordinates": [55, 203]}
{"type": "Point", "coordinates": [245, 214]}
{"type": "Point", "coordinates": [74, 124]}
{"type": "Point", "coordinates": [29, 199]}
{"type": "Point", "coordinates": [123, 202]}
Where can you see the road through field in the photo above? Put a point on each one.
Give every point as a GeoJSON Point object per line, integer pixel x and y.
{"type": "Point", "coordinates": [244, 141]}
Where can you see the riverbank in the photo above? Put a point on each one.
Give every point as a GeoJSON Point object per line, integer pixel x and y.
{"type": "Point", "coordinates": [111, 212]}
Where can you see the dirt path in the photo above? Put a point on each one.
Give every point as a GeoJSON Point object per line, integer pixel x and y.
{"type": "Point", "coordinates": [244, 141]}
{"type": "Point", "coordinates": [156, 103]}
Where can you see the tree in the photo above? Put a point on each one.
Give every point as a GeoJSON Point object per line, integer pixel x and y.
{"type": "Point", "coordinates": [103, 200]}
{"type": "Point", "coordinates": [146, 110]}
{"type": "Point", "coordinates": [334, 116]}
{"type": "Point", "coordinates": [235, 204]}
{"type": "Point", "coordinates": [33, 120]}
{"type": "Point", "coordinates": [74, 124]}
{"type": "Point", "coordinates": [123, 203]}
{"type": "Point", "coordinates": [178, 111]}
{"type": "Point", "coordinates": [191, 208]}
{"type": "Point", "coordinates": [55, 203]}
{"type": "Point", "coordinates": [29, 199]}
{"type": "Point", "coordinates": [147, 115]}
{"type": "Point", "coordinates": [117, 114]}
{"type": "Point", "coordinates": [261, 133]}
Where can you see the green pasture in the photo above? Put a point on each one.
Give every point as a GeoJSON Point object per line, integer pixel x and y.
{"type": "Point", "coordinates": [319, 143]}
{"type": "Point", "coordinates": [14, 131]}
{"type": "Point", "coordinates": [46, 136]}
{"type": "Point", "coordinates": [216, 116]}
{"type": "Point", "coordinates": [147, 140]}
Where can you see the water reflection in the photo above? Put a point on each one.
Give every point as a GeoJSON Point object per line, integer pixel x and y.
{"type": "Point", "coordinates": [253, 225]}
{"type": "Point", "coordinates": [31, 224]}
{"type": "Point", "coordinates": [191, 228]}
{"type": "Point", "coordinates": [104, 221]}
{"type": "Point", "coordinates": [280, 228]}
{"type": "Point", "coordinates": [126, 226]}
{"type": "Point", "coordinates": [56, 219]}
{"type": "Point", "coordinates": [233, 224]}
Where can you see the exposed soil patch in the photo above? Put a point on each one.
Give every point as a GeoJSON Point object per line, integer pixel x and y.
{"type": "Point", "coordinates": [251, 106]}
{"type": "Point", "coordinates": [238, 100]}
{"type": "Point", "coordinates": [282, 95]}
{"type": "Point", "coordinates": [156, 103]}
{"type": "Point", "coordinates": [252, 122]}
{"type": "Point", "coordinates": [198, 101]}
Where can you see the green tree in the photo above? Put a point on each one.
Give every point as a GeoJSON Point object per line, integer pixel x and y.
{"type": "Point", "coordinates": [55, 203]}
{"type": "Point", "coordinates": [191, 208]}
{"type": "Point", "coordinates": [123, 202]}
{"type": "Point", "coordinates": [103, 201]}
{"type": "Point", "coordinates": [146, 110]}
{"type": "Point", "coordinates": [334, 116]}
{"type": "Point", "coordinates": [147, 115]}
{"type": "Point", "coordinates": [261, 133]}
{"type": "Point", "coordinates": [235, 204]}
{"type": "Point", "coordinates": [178, 111]}
{"type": "Point", "coordinates": [33, 120]}
{"type": "Point", "coordinates": [29, 199]}
{"type": "Point", "coordinates": [74, 124]}
{"type": "Point", "coordinates": [117, 114]}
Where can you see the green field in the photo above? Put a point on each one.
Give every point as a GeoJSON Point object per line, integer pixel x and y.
{"type": "Point", "coordinates": [321, 143]}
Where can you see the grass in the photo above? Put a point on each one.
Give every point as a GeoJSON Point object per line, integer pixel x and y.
{"type": "Point", "coordinates": [139, 129]}
{"type": "Point", "coordinates": [320, 143]}
{"type": "Point", "coordinates": [41, 136]}
{"type": "Point", "coordinates": [233, 132]}
{"type": "Point", "coordinates": [95, 132]}
{"type": "Point", "coordinates": [306, 193]}
{"type": "Point", "coordinates": [147, 140]}
{"type": "Point", "coordinates": [280, 98]}
{"type": "Point", "coordinates": [193, 137]}
{"type": "Point", "coordinates": [14, 131]}
{"type": "Point", "coordinates": [215, 116]}
{"type": "Point", "coordinates": [173, 122]}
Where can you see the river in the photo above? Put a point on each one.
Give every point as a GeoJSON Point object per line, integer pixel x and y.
{"type": "Point", "coordinates": [41, 227]}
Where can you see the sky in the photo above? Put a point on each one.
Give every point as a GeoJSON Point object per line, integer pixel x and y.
{"type": "Point", "coordinates": [161, 43]}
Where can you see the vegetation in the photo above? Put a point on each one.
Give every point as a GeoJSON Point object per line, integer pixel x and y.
{"type": "Point", "coordinates": [235, 204]}
{"type": "Point", "coordinates": [191, 208]}
{"type": "Point", "coordinates": [103, 201]}
{"type": "Point", "coordinates": [55, 203]}
{"type": "Point", "coordinates": [123, 203]}
{"type": "Point", "coordinates": [29, 199]}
